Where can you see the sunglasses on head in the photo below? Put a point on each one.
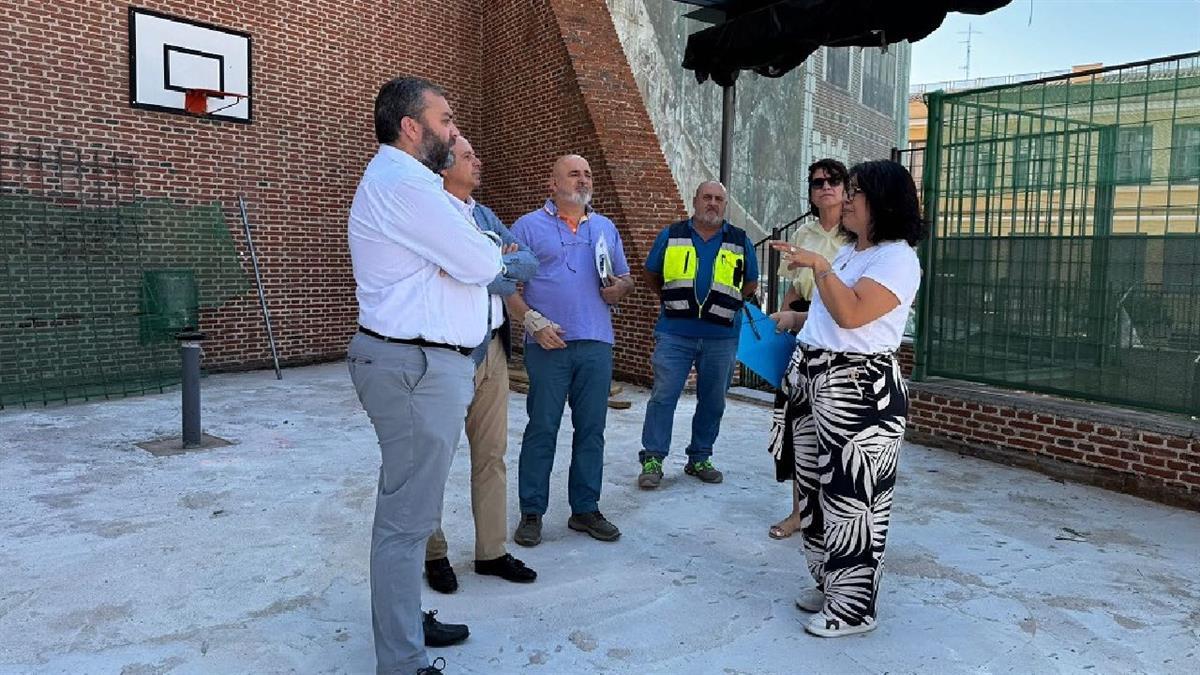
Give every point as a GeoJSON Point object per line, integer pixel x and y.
{"type": "Point", "coordinates": [818, 183]}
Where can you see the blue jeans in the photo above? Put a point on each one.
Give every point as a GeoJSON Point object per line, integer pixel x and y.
{"type": "Point", "coordinates": [672, 361]}
{"type": "Point", "coordinates": [580, 374]}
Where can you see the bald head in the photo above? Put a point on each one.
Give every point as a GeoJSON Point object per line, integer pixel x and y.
{"type": "Point", "coordinates": [571, 181]}
{"type": "Point", "coordinates": [564, 162]}
{"type": "Point", "coordinates": [708, 206]}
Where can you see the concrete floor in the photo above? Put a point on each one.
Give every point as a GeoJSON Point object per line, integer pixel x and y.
{"type": "Point", "coordinates": [252, 558]}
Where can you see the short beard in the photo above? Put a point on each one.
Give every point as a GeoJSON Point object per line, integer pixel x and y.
{"type": "Point", "coordinates": [579, 198]}
{"type": "Point", "coordinates": [435, 153]}
{"type": "Point", "coordinates": [704, 219]}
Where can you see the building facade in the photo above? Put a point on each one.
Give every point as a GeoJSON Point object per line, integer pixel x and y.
{"type": "Point", "coordinates": [847, 103]}
{"type": "Point", "coordinates": [121, 221]}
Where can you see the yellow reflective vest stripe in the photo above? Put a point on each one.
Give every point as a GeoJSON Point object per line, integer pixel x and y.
{"type": "Point", "coordinates": [680, 265]}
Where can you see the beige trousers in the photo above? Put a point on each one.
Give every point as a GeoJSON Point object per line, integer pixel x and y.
{"type": "Point", "coordinates": [487, 433]}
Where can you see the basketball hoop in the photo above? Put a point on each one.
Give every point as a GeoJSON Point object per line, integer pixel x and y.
{"type": "Point", "coordinates": [195, 101]}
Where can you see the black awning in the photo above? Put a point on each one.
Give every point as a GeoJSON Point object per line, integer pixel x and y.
{"type": "Point", "coordinates": [773, 37]}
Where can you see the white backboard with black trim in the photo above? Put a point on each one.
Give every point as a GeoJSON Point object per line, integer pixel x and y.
{"type": "Point", "coordinates": [169, 55]}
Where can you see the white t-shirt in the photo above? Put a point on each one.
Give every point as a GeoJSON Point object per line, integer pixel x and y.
{"type": "Point", "coordinates": [893, 265]}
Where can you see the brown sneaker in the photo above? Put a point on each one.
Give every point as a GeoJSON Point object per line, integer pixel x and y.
{"type": "Point", "coordinates": [705, 471]}
{"type": "Point", "coordinates": [651, 476]}
{"type": "Point", "coordinates": [595, 524]}
{"type": "Point", "coordinates": [529, 530]}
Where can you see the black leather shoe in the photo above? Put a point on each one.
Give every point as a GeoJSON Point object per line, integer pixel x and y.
{"type": "Point", "coordinates": [506, 567]}
{"type": "Point", "coordinates": [440, 575]}
{"type": "Point", "coordinates": [433, 668]}
{"type": "Point", "coordinates": [438, 634]}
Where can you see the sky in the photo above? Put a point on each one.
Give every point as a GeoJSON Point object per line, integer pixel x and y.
{"type": "Point", "coordinates": [1032, 36]}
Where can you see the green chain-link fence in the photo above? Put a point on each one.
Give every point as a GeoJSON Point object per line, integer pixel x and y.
{"type": "Point", "coordinates": [96, 281]}
{"type": "Point", "coordinates": [1066, 249]}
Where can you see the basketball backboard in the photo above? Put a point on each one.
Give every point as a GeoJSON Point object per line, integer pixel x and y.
{"type": "Point", "coordinates": [170, 55]}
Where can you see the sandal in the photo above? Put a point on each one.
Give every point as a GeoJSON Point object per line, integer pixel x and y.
{"type": "Point", "coordinates": [784, 528]}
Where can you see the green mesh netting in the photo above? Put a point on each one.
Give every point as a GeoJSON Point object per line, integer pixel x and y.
{"type": "Point", "coordinates": [96, 282]}
{"type": "Point", "coordinates": [1066, 249]}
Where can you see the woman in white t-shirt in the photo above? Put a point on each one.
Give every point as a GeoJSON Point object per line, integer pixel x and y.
{"type": "Point", "coordinates": [845, 402]}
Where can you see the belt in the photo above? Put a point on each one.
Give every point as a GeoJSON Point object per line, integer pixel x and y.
{"type": "Point", "coordinates": [465, 351]}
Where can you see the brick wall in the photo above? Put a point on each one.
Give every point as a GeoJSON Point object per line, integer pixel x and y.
{"type": "Point", "coordinates": [906, 358]}
{"type": "Point", "coordinates": [528, 80]}
{"type": "Point", "coordinates": [559, 83]}
{"type": "Point", "coordinates": [1148, 454]}
{"type": "Point", "coordinates": [843, 127]}
{"type": "Point", "coordinates": [316, 68]}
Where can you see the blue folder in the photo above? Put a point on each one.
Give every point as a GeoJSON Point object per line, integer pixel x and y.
{"type": "Point", "coordinates": [761, 348]}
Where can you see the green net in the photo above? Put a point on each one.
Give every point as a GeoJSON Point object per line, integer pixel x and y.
{"type": "Point", "coordinates": [97, 281]}
{"type": "Point", "coordinates": [1066, 248]}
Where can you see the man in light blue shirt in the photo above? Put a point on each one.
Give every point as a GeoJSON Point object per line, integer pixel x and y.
{"type": "Point", "coordinates": [566, 310]}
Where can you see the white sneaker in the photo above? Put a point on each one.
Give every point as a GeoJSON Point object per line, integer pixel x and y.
{"type": "Point", "coordinates": [811, 600]}
{"type": "Point", "coordinates": [823, 625]}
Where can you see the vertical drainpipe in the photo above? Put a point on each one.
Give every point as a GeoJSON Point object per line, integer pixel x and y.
{"type": "Point", "coordinates": [903, 76]}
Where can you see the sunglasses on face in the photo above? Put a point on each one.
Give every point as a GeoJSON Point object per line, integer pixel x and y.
{"type": "Point", "coordinates": [818, 183]}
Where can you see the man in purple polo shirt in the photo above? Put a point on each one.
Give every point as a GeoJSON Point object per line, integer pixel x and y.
{"type": "Point", "coordinates": [568, 347]}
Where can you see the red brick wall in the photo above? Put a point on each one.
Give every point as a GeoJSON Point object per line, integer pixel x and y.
{"type": "Point", "coordinates": [316, 68]}
{"type": "Point", "coordinates": [528, 80]}
{"type": "Point", "coordinates": [905, 356]}
{"type": "Point", "coordinates": [1148, 454]}
{"type": "Point", "coordinates": [559, 83]}
{"type": "Point", "coordinates": [1143, 453]}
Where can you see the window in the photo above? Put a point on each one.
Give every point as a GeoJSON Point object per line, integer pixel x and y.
{"type": "Point", "coordinates": [837, 67]}
{"type": "Point", "coordinates": [1185, 152]}
{"type": "Point", "coordinates": [879, 80]}
{"type": "Point", "coordinates": [1132, 163]}
{"type": "Point", "coordinates": [916, 163]}
{"type": "Point", "coordinates": [971, 168]}
{"type": "Point", "coordinates": [1033, 161]}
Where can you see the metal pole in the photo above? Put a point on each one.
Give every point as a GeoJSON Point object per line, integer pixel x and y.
{"type": "Point", "coordinates": [262, 298]}
{"type": "Point", "coordinates": [927, 294]}
{"type": "Point", "coordinates": [728, 97]}
{"type": "Point", "coordinates": [189, 352]}
{"type": "Point", "coordinates": [773, 264]}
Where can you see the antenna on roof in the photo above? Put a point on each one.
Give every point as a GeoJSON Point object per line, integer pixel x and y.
{"type": "Point", "coordinates": [970, 31]}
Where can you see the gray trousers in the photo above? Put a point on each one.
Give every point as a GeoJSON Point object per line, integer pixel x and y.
{"type": "Point", "coordinates": [417, 400]}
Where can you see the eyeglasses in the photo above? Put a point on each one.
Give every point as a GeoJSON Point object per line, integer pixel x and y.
{"type": "Point", "coordinates": [852, 191]}
{"type": "Point", "coordinates": [818, 183]}
{"type": "Point", "coordinates": [565, 243]}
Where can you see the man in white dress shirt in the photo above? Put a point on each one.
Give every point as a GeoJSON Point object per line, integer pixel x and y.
{"type": "Point", "coordinates": [421, 269]}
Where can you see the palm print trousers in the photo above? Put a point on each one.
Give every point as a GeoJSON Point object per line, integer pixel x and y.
{"type": "Point", "coordinates": [842, 415]}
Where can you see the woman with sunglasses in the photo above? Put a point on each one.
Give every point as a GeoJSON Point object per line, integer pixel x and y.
{"type": "Point", "coordinates": [846, 403]}
{"type": "Point", "coordinates": [822, 235]}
